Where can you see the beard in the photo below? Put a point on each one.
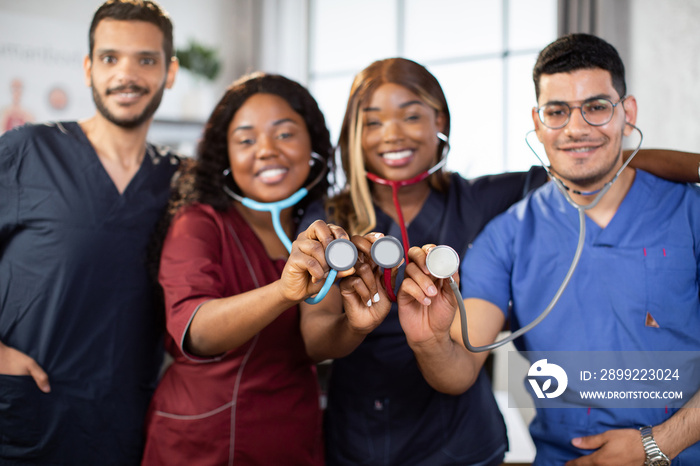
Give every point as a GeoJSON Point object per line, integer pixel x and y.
{"type": "Point", "coordinates": [592, 180]}
{"type": "Point", "coordinates": [133, 122]}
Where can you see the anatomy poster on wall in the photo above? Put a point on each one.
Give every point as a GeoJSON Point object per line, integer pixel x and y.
{"type": "Point", "coordinates": [41, 75]}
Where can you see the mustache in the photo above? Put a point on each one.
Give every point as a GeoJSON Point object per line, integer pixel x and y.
{"type": "Point", "coordinates": [127, 88]}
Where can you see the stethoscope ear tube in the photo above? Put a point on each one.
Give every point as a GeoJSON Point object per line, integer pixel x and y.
{"type": "Point", "coordinates": [543, 314]}
{"type": "Point", "coordinates": [276, 208]}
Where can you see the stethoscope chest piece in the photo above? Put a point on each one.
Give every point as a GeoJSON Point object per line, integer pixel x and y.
{"type": "Point", "coordinates": [442, 261]}
{"type": "Point", "coordinates": [341, 254]}
{"type": "Point", "coordinates": [387, 252]}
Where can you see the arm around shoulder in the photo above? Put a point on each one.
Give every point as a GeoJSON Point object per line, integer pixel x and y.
{"type": "Point", "coordinates": [672, 165]}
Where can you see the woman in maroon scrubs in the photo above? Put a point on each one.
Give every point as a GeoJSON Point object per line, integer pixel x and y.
{"type": "Point", "coordinates": [241, 389]}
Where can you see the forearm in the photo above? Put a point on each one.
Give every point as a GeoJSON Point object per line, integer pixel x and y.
{"type": "Point", "coordinates": [224, 324]}
{"type": "Point", "coordinates": [446, 365]}
{"type": "Point", "coordinates": [329, 336]}
{"type": "Point", "coordinates": [668, 164]}
{"type": "Point", "coordinates": [681, 430]}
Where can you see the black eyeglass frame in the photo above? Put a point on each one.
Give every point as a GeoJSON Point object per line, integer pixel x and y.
{"type": "Point", "coordinates": [540, 111]}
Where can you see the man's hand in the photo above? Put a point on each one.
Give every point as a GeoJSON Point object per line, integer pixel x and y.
{"type": "Point", "coordinates": [14, 362]}
{"type": "Point", "coordinates": [620, 447]}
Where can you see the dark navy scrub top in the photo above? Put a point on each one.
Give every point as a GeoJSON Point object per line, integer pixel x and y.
{"type": "Point", "coordinates": [75, 295]}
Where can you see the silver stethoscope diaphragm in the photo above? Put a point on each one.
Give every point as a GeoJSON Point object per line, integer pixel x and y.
{"type": "Point", "coordinates": [442, 261]}
{"type": "Point", "coordinates": [341, 254]}
{"type": "Point", "coordinates": [387, 252]}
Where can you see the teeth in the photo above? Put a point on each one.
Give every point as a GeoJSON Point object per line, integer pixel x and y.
{"type": "Point", "coordinates": [580, 149]}
{"type": "Point", "coordinates": [129, 95]}
{"type": "Point", "coordinates": [397, 155]}
{"type": "Point", "coordinates": [273, 172]}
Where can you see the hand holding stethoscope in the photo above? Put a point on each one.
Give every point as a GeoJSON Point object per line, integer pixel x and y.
{"type": "Point", "coordinates": [318, 256]}
{"type": "Point", "coordinates": [442, 262]}
{"type": "Point", "coordinates": [365, 299]}
{"type": "Point", "coordinates": [426, 298]}
{"type": "Point", "coordinates": [340, 254]}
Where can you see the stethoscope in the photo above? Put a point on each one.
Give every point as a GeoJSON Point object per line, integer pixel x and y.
{"type": "Point", "coordinates": [443, 261]}
{"type": "Point", "coordinates": [395, 185]}
{"type": "Point", "coordinates": [340, 254]}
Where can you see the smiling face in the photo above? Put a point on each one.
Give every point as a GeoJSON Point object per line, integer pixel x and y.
{"type": "Point", "coordinates": [127, 71]}
{"type": "Point", "coordinates": [269, 148]}
{"type": "Point", "coordinates": [399, 136]}
{"type": "Point", "coordinates": [586, 156]}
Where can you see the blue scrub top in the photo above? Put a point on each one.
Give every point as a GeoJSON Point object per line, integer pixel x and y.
{"type": "Point", "coordinates": [647, 260]}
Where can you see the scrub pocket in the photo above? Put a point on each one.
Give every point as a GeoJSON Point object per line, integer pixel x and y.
{"type": "Point", "coordinates": [21, 424]}
{"type": "Point", "coordinates": [672, 288]}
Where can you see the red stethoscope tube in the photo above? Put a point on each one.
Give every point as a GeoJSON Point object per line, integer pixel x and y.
{"type": "Point", "coordinates": [395, 185]}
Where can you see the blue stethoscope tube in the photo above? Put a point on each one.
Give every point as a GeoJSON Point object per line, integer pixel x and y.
{"type": "Point", "coordinates": [577, 255]}
{"type": "Point", "coordinates": [275, 209]}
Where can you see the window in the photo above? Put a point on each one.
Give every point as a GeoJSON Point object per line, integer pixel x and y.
{"type": "Point", "coordinates": [482, 52]}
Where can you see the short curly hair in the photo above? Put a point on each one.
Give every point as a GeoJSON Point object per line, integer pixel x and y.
{"type": "Point", "coordinates": [578, 52]}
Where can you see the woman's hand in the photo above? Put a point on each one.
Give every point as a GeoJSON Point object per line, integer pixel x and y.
{"type": "Point", "coordinates": [426, 304]}
{"type": "Point", "coordinates": [306, 268]}
{"type": "Point", "coordinates": [365, 300]}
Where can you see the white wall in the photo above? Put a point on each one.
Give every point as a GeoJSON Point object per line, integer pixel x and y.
{"type": "Point", "coordinates": [664, 71]}
{"type": "Point", "coordinates": [61, 27]}
{"type": "Point", "coordinates": [283, 38]}
{"type": "Point", "coordinates": [658, 40]}
{"type": "Point", "coordinates": [659, 43]}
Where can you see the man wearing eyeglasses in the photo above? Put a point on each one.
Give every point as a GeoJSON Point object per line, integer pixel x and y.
{"type": "Point", "coordinates": [635, 288]}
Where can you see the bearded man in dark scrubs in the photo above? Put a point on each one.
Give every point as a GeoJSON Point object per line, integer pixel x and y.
{"type": "Point", "coordinates": [80, 344]}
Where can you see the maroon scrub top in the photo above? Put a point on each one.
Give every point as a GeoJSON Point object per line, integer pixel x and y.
{"type": "Point", "coordinates": [257, 404]}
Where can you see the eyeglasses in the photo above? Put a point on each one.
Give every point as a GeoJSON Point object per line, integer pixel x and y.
{"type": "Point", "coordinates": [595, 112]}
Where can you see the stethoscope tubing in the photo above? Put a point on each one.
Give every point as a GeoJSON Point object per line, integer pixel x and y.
{"type": "Point", "coordinates": [395, 185]}
{"type": "Point", "coordinates": [275, 209]}
{"type": "Point", "coordinates": [574, 262]}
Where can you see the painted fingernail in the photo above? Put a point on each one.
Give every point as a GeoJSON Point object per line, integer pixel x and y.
{"type": "Point", "coordinates": [376, 297]}
{"type": "Point", "coordinates": [369, 303]}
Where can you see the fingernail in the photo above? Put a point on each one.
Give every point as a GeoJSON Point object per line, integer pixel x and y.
{"type": "Point", "coordinates": [376, 297]}
{"type": "Point", "coordinates": [427, 301]}
{"type": "Point", "coordinates": [378, 235]}
{"type": "Point", "coordinates": [432, 290]}
{"type": "Point", "coordinates": [369, 303]}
